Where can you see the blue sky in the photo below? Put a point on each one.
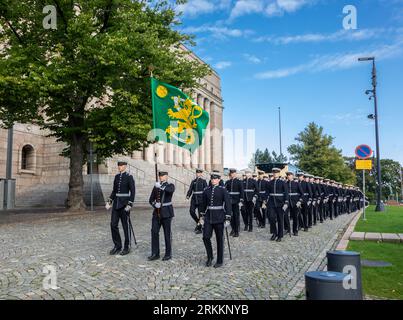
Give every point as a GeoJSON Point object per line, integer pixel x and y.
{"type": "Point", "coordinates": [295, 54]}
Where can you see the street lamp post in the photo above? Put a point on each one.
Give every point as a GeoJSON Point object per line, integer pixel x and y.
{"type": "Point", "coordinates": [379, 203]}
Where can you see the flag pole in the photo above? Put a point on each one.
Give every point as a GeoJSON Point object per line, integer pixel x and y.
{"type": "Point", "coordinates": [151, 68]}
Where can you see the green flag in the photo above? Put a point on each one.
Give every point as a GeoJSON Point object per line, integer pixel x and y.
{"type": "Point", "coordinates": [177, 117]}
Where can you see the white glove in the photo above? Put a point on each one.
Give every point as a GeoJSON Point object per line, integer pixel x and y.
{"type": "Point", "coordinates": [299, 204]}
{"type": "Point", "coordinates": [285, 207]}
{"type": "Point", "coordinates": [309, 203]}
{"type": "Point", "coordinates": [157, 205]}
{"type": "Point", "coordinates": [201, 220]}
{"type": "Point", "coordinates": [127, 208]}
{"type": "Point", "coordinates": [108, 206]}
{"type": "Point", "coordinates": [187, 197]}
{"type": "Point", "coordinates": [158, 185]}
{"type": "Point", "coordinates": [227, 224]}
{"type": "Point", "coordinates": [264, 205]}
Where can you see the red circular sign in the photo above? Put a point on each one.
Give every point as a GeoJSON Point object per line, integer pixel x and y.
{"type": "Point", "coordinates": [363, 151]}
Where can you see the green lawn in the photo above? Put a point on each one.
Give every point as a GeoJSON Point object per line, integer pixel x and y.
{"type": "Point", "coordinates": [385, 282]}
{"type": "Point", "coordinates": [390, 221]}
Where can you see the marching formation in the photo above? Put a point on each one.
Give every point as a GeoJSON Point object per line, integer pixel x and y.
{"type": "Point", "coordinates": [289, 204]}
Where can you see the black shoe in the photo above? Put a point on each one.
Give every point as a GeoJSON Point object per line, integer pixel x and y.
{"type": "Point", "coordinates": [166, 258]}
{"type": "Point", "coordinates": [236, 235]}
{"type": "Point", "coordinates": [305, 229]}
{"type": "Point", "coordinates": [217, 265]}
{"type": "Point", "coordinates": [115, 251]}
{"type": "Point", "coordinates": [296, 234]}
{"type": "Point", "coordinates": [153, 257]}
{"type": "Point", "coordinates": [250, 229]}
{"type": "Point", "coordinates": [232, 233]}
{"type": "Point", "coordinates": [125, 251]}
{"type": "Point", "coordinates": [246, 228]}
{"type": "Point", "coordinates": [278, 239]}
{"type": "Point", "coordinates": [273, 237]}
{"type": "Point", "coordinates": [209, 262]}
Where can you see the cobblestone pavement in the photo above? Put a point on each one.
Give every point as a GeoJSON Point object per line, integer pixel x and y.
{"type": "Point", "coordinates": [77, 246]}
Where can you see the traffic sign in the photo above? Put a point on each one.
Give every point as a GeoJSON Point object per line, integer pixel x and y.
{"type": "Point", "coordinates": [363, 151]}
{"type": "Point", "coordinates": [363, 164]}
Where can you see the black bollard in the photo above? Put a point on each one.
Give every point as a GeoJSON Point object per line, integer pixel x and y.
{"type": "Point", "coordinates": [325, 285]}
{"type": "Point", "coordinates": [347, 262]}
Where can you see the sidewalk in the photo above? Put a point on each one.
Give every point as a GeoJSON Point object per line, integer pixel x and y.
{"type": "Point", "coordinates": [376, 236]}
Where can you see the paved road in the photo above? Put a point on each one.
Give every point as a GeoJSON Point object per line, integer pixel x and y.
{"type": "Point", "coordinates": [77, 247]}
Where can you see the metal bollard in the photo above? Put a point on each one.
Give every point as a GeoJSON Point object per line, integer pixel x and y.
{"type": "Point", "coordinates": [325, 285]}
{"type": "Point", "coordinates": [347, 262]}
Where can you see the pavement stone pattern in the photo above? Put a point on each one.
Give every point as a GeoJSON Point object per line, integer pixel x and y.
{"type": "Point", "coordinates": [77, 246]}
{"type": "Point", "coordinates": [376, 236]}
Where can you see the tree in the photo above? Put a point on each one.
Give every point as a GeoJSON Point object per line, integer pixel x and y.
{"type": "Point", "coordinates": [266, 157]}
{"type": "Point", "coordinates": [88, 80]}
{"type": "Point", "coordinates": [391, 184]}
{"type": "Point", "coordinates": [315, 153]}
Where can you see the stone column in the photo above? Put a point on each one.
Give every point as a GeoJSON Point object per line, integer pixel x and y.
{"type": "Point", "coordinates": [149, 153]}
{"type": "Point", "coordinates": [207, 137]}
{"type": "Point", "coordinates": [137, 155]}
{"type": "Point", "coordinates": [201, 151]}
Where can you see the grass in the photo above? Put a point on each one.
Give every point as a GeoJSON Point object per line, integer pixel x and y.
{"type": "Point", "coordinates": [390, 221]}
{"type": "Point", "coordinates": [384, 282]}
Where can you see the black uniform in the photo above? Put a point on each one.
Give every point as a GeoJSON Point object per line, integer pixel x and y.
{"type": "Point", "coordinates": [260, 212]}
{"type": "Point", "coordinates": [312, 212]}
{"type": "Point", "coordinates": [277, 196]}
{"type": "Point", "coordinates": [122, 195]}
{"type": "Point", "coordinates": [321, 199]}
{"type": "Point", "coordinates": [250, 190]}
{"type": "Point", "coordinates": [162, 217]}
{"type": "Point", "coordinates": [307, 202]}
{"type": "Point", "coordinates": [216, 206]}
{"type": "Point", "coordinates": [235, 189]}
{"type": "Point", "coordinates": [296, 195]}
{"type": "Point", "coordinates": [196, 192]}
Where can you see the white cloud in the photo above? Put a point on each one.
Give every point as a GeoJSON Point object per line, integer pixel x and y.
{"type": "Point", "coordinates": [197, 7]}
{"type": "Point", "coordinates": [222, 65]}
{"type": "Point", "coordinates": [334, 62]}
{"type": "Point", "coordinates": [252, 58]}
{"type": "Point", "coordinates": [243, 7]}
{"type": "Point", "coordinates": [267, 7]}
{"type": "Point", "coordinates": [342, 35]}
{"type": "Point", "coordinates": [218, 31]}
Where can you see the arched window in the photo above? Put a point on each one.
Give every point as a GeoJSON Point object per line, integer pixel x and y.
{"type": "Point", "coordinates": [27, 157]}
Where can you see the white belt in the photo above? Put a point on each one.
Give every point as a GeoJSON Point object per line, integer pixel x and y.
{"type": "Point", "coordinates": [276, 194]}
{"type": "Point", "coordinates": [123, 194]}
{"type": "Point", "coordinates": [262, 191]}
{"type": "Point", "coordinates": [198, 192]}
{"type": "Point", "coordinates": [234, 193]}
{"type": "Point", "coordinates": [293, 194]}
{"type": "Point", "coordinates": [215, 207]}
{"type": "Point", "coordinates": [306, 194]}
{"type": "Point", "coordinates": [249, 190]}
{"type": "Point", "coordinates": [167, 204]}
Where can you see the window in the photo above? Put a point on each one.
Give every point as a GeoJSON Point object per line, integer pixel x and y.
{"type": "Point", "coordinates": [27, 158]}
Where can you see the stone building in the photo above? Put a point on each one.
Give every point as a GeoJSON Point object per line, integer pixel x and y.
{"type": "Point", "coordinates": [42, 175]}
